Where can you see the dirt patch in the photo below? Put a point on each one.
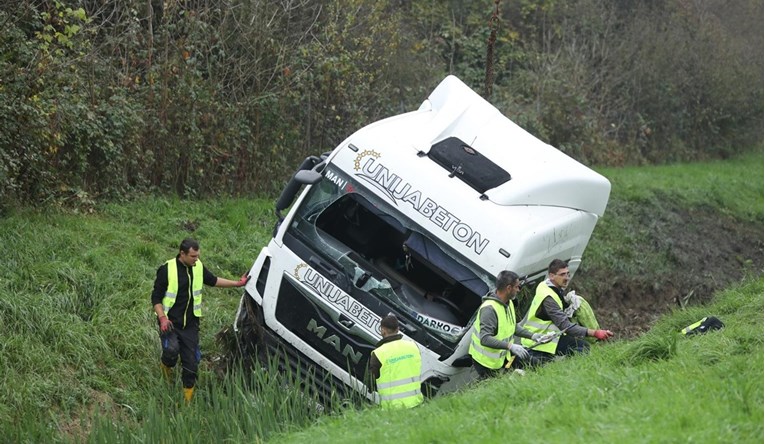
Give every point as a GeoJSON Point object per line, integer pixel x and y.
{"type": "Point", "coordinates": [706, 251]}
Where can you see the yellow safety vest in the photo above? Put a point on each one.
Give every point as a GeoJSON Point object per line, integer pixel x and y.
{"type": "Point", "coordinates": [535, 325]}
{"type": "Point", "coordinates": [172, 286]}
{"type": "Point", "coordinates": [399, 381]}
{"type": "Point", "coordinates": [690, 328]}
{"type": "Point", "coordinates": [488, 357]}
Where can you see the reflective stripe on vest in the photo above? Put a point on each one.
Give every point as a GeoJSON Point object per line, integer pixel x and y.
{"type": "Point", "coordinates": [535, 325]}
{"type": "Point", "coordinates": [488, 357]}
{"type": "Point", "coordinates": [689, 328]}
{"type": "Point", "coordinates": [172, 287]}
{"type": "Point", "coordinates": [399, 381]}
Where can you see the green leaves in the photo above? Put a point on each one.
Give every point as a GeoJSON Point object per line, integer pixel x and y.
{"type": "Point", "coordinates": [201, 99]}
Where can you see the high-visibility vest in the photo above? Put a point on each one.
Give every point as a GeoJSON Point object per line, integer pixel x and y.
{"type": "Point", "coordinates": [488, 357]}
{"type": "Point", "coordinates": [535, 325]}
{"type": "Point", "coordinates": [172, 287]}
{"type": "Point", "coordinates": [585, 316]}
{"type": "Point", "coordinates": [706, 324]}
{"type": "Point", "coordinates": [399, 381]}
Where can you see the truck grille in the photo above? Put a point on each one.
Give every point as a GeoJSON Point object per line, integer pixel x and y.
{"type": "Point", "coordinates": [316, 327]}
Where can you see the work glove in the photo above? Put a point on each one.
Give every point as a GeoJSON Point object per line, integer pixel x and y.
{"type": "Point", "coordinates": [574, 301]}
{"type": "Point", "coordinates": [243, 281]}
{"type": "Point", "coordinates": [602, 335]}
{"type": "Point", "coordinates": [519, 351]}
{"type": "Point", "coordinates": [539, 338]}
{"type": "Point", "coordinates": [165, 325]}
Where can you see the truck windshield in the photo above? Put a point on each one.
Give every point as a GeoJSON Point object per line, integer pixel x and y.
{"type": "Point", "coordinates": [385, 254]}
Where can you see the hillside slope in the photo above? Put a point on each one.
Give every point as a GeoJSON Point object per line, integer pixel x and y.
{"type": "Point", "coordinates": [79, 349]}
{"type": "Point", "coordinates": [658, 388]}
{"type": "Point", "coordinates": [673, 235]}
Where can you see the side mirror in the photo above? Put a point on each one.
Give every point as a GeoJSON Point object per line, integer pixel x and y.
{"type": "Point", "coordinates": [307, 177]}
{"type": "Point", "coordinates": [304, 176]}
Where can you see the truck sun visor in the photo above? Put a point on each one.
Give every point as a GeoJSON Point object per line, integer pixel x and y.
{"type": "Point", "coordinates": [468, 165]}
{"type": "Point", "coordinates": [434, 255]}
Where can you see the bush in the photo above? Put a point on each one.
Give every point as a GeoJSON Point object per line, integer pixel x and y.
{"type": "Point", "coordinates": [100, 100]}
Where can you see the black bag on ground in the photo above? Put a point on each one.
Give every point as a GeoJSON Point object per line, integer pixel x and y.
{"type": "Point", "coordinates": [704, 325]}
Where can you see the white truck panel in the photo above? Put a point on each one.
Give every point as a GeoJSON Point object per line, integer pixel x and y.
{"type": "Point", "coordinates": [547, 209]}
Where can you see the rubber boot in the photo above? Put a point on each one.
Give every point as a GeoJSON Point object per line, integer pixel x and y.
{"type": "Point", "coordinates": [188, 393]}
{"type": "Point", "coordinates": [167, 372]}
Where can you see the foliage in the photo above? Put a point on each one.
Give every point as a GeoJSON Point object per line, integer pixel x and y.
{"type": "Point", "coordinates": [100, 100]}
{"type": "Point", "coordinates": [626, 83]}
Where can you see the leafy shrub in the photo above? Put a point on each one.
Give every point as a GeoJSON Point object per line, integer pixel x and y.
{"type": "Point", "coordinates": [102, 100]}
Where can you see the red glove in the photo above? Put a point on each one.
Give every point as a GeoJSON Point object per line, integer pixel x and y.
{"type": "Point", "coordinates": [602, 335]}
{"type": "Point", "coordinates": [165, 325]}
{"type": "Point", "coordinates": [243, 281]}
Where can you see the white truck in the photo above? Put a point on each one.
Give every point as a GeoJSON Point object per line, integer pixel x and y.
{"type": "Point", "coordinates": [413, 215]}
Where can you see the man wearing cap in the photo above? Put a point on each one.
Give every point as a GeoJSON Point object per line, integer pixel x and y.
{"type": "Point", "coordinates": [395, 365]}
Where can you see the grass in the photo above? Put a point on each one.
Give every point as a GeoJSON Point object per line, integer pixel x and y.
{"type": "Point", "coordinates": [659, 388]}
{"type": "Point", "coordinates": [79, 350]}
{"type": "Point", "coordinates": [243, 407]}
{"type": "Point", "coordinates": [629, 238]}
{"type": "Point", "coordinates": [75, 312]}
{"type": "Point", "coordinates": [729, 186]}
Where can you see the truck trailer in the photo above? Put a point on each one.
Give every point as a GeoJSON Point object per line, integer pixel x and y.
{"type": "Point", "coordinates": [414, 215]}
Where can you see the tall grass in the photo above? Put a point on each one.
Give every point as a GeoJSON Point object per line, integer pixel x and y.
{"type": "Point", "coordinates": [240, 407]}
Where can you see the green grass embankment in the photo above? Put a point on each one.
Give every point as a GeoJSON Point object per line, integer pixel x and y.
{"type": "Point", "coordinates": [659, 388]}
{"type": "Point", "coordinates": [79, 350]}
{"type": "Point", "coordinates": [625, 238]}
{"type": "Point", "coordinates": [732, 187]}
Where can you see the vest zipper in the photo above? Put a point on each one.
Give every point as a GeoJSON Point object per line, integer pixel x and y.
{"type": "Point", "coordinates": [188, 300]}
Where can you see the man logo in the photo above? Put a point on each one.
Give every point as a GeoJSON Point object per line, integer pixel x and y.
{"type": "Point", "coordinates": [334, 341]}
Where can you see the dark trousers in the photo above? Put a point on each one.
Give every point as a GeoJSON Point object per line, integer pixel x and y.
{"type": "Point", "coordinates": [183, 343]}
{"type": "Point", "coordinates": [567, 345]}
{"type": "Point", "coordinates": [484, 372]}
{"type": "Point", "coordinates": [517, 363]}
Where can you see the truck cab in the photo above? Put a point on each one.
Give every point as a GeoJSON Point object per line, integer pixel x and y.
{"type": "Point", "coordinates": [413, 215]}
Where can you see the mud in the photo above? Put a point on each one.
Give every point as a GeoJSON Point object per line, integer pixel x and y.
{"type": "Point", "coordinates": [704, 251]}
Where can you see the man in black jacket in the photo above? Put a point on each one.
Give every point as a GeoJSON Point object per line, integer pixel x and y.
{"type": "Point", "coordinates": [177, 301]}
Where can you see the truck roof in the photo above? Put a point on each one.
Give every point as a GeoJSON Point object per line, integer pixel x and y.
{"type": "Point", "coordinates": [544, 206]}
{"type": "Point", "coordinates": [541, 174]}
